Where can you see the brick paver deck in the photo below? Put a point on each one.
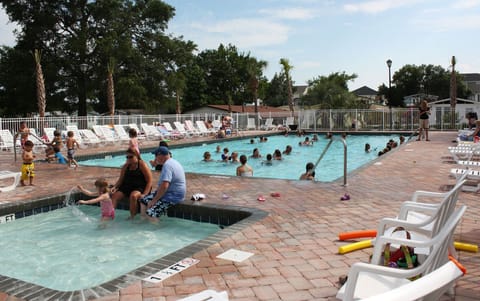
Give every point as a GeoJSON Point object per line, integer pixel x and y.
{"type": "Point", "coordinates": [296, 246]}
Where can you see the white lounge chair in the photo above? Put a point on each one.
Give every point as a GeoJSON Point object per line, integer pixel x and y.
{"type": "Point", "coordinates": [203, 128]}
{"type": "Point", "coordinates": [181, 128]}
{"type": "Point", "coordinates": [7, 140]}
{"type": "Point", "coordinates": [209, 295]}
{"type": "Point", "coordinates": [472, 175]}
{"type": "Point", "coordinates": [49, 132]}
{"type": "Point", "coordinates": [251, 124]}
{"type": "Point", "coordinates": [121, 133]}
{"type": "Point", "coordinates": [89, 137]}
{"type": "Point", "coordinates": [5, 174]}
{"type": "Point", "coordinates": [190, 127]}
{"type": "Point", "coordinates": [140, 134]}
{"type": "Point", "coordinates": [172, 131]}
{"type": "Point", "coordinates": [151, 132]}
{"type": "Point", "coordinates": [429, 287]}
{"type": "Point", "coordinates": [76, 134]}
{"type": "Point", "coordinates": [422, 220]}
{"type": "Point", "coordinates": [269, 124]}
{"type": "Point", "coordinates": [370, 279]}
{"type": "Point", "coordinates": [105, 134]}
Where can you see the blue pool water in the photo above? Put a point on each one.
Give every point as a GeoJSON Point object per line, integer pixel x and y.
{"type": "Point", "coordinates": [66, 250]}
{"type": "Point", "coordinates": [291, 167]}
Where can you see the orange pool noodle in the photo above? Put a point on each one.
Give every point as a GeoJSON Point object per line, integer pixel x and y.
{"type": "Point", "coordinates": [466, 247]}
{"type": "Point", "coordinates": [355, 246]}
{"type": "Point", "coordinates": [357, 234]}
{"type": "Point", "coordinates": [458, 264]}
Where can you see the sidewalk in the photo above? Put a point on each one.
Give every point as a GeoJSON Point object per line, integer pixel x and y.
{"type": "Point", "coordinates": [296, 246]}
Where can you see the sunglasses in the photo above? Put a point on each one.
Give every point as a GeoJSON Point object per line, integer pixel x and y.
{"type": "Point", "coordinates": [129, 157]}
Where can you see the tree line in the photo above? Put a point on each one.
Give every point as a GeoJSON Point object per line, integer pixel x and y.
{"type": "Point", "coordinates": [115, 54]}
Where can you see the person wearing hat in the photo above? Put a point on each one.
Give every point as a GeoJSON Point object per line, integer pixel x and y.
{"type": "Point", "coordinates": [171, 187]}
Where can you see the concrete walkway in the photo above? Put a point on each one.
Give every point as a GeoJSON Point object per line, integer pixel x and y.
{"type": "Point", "coordinates": [296, 246]}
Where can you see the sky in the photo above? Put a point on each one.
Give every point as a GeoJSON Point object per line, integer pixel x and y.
{"type": "Point", "coordinates": [320, 37]}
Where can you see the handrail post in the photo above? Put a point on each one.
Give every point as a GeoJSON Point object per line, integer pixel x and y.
{"type": "Point", "coordinates": [344, 157]}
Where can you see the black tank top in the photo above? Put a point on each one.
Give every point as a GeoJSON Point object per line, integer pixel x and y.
{"type": "Point", "coordinates": [135, 177]}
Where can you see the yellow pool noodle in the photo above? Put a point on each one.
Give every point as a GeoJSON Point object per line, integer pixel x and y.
{"type": "Point", "coordinates": [355, 246]}
{"type": "Point", "coordinates": [465, 247]}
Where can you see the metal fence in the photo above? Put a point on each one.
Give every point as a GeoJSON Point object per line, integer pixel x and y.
{"type": "Point", "coordinates": [309, 120]}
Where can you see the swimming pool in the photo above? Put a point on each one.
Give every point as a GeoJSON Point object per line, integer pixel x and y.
{"type": "Point", "coordinates": [66, 250]}
{"type": "Point", "coordinates": [221, 217]}
{"type": "Point", "coordinates": [291, 167]}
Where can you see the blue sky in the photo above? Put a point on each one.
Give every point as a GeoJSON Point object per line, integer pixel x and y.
{"type": "Point", "coordinates": [319, 37]}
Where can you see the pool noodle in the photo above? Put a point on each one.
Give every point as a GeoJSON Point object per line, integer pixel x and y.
{"type": "Point", "coordinates": [357, 234]}
{"type": "Point", "coordinates": [465, 247]}
{"type": "Point", "coordinates": [355, 246]}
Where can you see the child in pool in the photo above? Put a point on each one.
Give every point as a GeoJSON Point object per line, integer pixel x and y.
{"type": "Point", "coordinates": [108, 211]}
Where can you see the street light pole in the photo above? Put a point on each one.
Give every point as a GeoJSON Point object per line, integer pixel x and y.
{"type": "Point", "coordinates": [82, 101]}
{"type": "Point", "coordinates": [389, 64]}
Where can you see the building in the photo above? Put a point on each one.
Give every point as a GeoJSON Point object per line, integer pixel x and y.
{"type": "Point", "coordinates": [472, 80]}
{"type": "Point", "coordinates": [367, 95]}
{"type": "Point", "coordinates": [415, 99]}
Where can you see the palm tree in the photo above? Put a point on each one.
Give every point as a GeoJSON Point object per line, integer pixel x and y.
{"type": "Point", "coordinates": [453, 92]}
{"type": "Point", "coordinates": [41, 98]}
{"type": "Point", "coordinates": [254, 70]}
{"type": "Point", "coordinates": [110, 88]}
{"type": "Point", "coordinates": [286, 69]}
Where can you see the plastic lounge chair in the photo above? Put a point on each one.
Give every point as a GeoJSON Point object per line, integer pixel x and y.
{"type": "Point", "coordinates": [151, 132]}
{"type": "Point", "coordinates": [76, 134]}
{"type": "Point", "coordinates": [189, 126]}
{"type": "Point", "coordinates": [422, 220]}
{"type": "Point", "coordinates": [90, 137]}
{"type": "Point", "coordinates": [472, 175]}
{"type": "Point", "coordinates": [370, 279]}
{"type": "Point", "coordinates": [203, 128]}
{"type": "Point", "coordinates": [182, 129]}
{"type": "Point", "coordinates": [140, 134]}
{"type": "Point", "coordinates": [268, 124]}
{"type": "Point", "coordinates": [209, 295]}
{"type": "Point", "coordinates": [49, 132]}
{"type": "Point", "coordinates": [171, 130]}
{"type": "Point", "coordinates": [5, 174]}
{"type": "Point", "coordinates": [121, 133]}
{"type": "Point", "coordinates": [8, 142]}
{"type": "Point", "coordinates": [429, 287]}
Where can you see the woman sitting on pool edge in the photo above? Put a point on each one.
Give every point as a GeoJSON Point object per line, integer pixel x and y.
{"type": "Point", "coordinates": [135, 181]}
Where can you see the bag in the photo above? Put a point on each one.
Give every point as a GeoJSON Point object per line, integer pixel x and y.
{"type": "Point", "coordinates": [404, 257]}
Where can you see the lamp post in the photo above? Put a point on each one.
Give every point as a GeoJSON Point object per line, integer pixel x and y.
{"type": "Point", "coordinates": [82, 101]}
{"type": "Point", "coordinates": [389, 64]}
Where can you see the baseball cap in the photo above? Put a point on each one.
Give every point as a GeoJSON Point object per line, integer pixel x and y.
{"type": "Point", "coordinates": [161, 150]}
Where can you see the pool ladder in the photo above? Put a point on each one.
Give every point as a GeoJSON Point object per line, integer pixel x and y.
{"type": "Point", "coordinates": [344, 157]}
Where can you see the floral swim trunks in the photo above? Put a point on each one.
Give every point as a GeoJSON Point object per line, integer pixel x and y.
{"type": "Point", "coordinates": [160, 208]}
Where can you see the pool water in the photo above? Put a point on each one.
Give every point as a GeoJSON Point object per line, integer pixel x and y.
{"type": "Point", "coordinates": [67, 249]}
{"type": "Point", "coordinates": [291, 167]}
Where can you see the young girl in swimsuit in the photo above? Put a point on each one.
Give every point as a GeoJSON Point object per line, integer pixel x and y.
{"type": "Point", "coordinates": [106, 205]}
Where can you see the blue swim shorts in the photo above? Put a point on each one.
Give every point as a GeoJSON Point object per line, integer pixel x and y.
{"type": "Point", "coordinates": [160, 207]}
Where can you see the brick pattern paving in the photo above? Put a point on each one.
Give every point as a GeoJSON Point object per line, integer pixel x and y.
{"type": "Point", "coordinates": [296, 246]}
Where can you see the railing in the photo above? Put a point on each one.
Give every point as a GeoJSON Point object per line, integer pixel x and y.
{"type": "Point", "coordinates": [309, 120]}
{"type": "Point", "coordinates": [344, 157]}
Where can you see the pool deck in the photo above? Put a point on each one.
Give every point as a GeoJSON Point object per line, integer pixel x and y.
{"type": "Point", "coordinates": [295, 247]}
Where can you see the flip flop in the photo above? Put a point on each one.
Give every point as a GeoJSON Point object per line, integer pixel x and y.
{"type": "Point", "coordinates": [261, 198]}
{"type": "Point", "coordinates": [345, 197]}
{"type": "Point", "coordinates": [275, 194]}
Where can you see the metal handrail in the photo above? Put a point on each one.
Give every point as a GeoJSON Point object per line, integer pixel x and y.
{"type": "Point", "coordinates": [344, 157]}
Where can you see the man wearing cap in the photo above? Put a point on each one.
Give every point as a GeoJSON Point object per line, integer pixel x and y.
{"type": "Point", "coordinates": [171, 188]}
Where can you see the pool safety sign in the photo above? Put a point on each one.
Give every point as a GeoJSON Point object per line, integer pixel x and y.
{"type": "Point", "coordinates": [7, 218]}
{"type": "Point", "coordinates": [172, 270]}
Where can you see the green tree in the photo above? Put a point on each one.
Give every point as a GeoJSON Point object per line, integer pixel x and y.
{"type": "Point", "coordinates": [331, 92]}
{"type": "Point", "coordinates": [286, 70]}
{"type": "Point", "coordinates": [276, 93]}
{"type": "Point", "coordinates": [72, 33]}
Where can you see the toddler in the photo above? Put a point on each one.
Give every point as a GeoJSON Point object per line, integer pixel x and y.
{"type": "Point", "coordinates": [106, 205]}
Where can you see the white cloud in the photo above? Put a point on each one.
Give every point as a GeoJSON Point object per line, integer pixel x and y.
{"type": "Point", "coordinates": [465, 4]}
{"type": "Point", "coordinates": [450, 23]}
{"type": "Point", "coordinates": [291, 13]}
{"type": "Point", "coordinates": [376, 6]}
{"type": "Point", "coordinates": [244, 33]}
{"type": "Point", "coordinates": [6, 30]}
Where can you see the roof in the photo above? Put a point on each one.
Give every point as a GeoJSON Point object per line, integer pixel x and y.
{"type": "Point", "coordinates": [246, 109]}
{"type": "Point", "coordinates": [471, 77]}
{"type": "Point", "coordinates": [363, 91]}
{"type": "Point", "coordinates": [459, 101]}
{"type": "Point", "coordinates": [300, 90]}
